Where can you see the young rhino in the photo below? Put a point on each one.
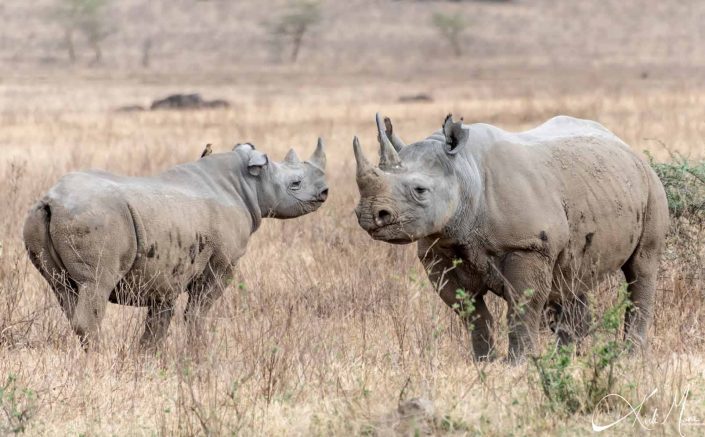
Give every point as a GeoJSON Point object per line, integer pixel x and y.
{"type": "Point", "coordinates": [537, 217]}
{"type": "Point", "coordinates": [141, 241]}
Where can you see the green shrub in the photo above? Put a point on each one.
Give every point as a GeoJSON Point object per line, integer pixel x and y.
{"type": "Point", "coordinates": [451, 28]}
{"type": "Point", "coordinates": [684, 182]}
{"type": "Point", "coordinates": [576, 384]}
{"type": "Point", "coordinates": [18, 406]}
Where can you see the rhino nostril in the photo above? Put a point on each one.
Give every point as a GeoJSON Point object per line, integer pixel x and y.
{"type": "Point", "coordinates": [384, 217]}
{"type": "Point", "coordinates": [323, 195]}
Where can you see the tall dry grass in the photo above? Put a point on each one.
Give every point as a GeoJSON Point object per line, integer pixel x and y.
{"type": "Point", "coordinates": [324, 331]}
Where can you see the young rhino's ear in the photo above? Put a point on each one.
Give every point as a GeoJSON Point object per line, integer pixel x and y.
{"type": "Point", "coordinates": [456, 136]}
{"type": "Point", "coordinates": [257, 162]}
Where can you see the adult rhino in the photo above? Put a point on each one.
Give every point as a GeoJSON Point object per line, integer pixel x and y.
{"type": "Point", "coordinates": [141, 241]}
{"type": "Point", "coordinates": [537, 217]}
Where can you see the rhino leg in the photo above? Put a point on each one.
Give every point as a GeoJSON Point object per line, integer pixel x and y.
{"type": "Point", "coordinates": [202, 293]}
{"type": "Point", "coordinates": [482, 338]}
{"type": "Point", "coordinates": [159, 315]}
{"type": "Point", "coordinates": [44, 257]}
{"type": "Point", "coordinates": [444, 277]}
{"type": "Point", "coordinates": [95, 261]}
{"type": "Point", "coordinates": [640, 272]}
{"type": "Point", "coordinates": [572, 319]}
{"type": "Point", "coordinates": [527, 285]}
{"type": "Point", "coordinates": [64, 289]}
{"type": "Point", "coordinates": [90, 308]}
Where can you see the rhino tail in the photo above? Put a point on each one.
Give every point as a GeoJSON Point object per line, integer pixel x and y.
{"type": "Point", "coordinates": [39, 244]}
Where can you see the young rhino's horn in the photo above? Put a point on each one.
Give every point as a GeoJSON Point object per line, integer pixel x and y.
{"type": "Point", "coordinates": [291, 157]}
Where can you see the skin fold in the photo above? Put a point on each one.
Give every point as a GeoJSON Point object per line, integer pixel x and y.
{"type": "Point", "coordinates": [142, 241]}
{"type": "Point", "coordinates": [538, 217]}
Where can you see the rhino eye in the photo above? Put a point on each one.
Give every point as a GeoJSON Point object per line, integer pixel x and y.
{"type": "Point", "coordinates": [420, 190]}
{"type": "Point", "coordinates": [295, 185]}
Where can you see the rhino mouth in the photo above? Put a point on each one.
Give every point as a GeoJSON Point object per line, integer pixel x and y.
{"type": "Point", "coordinates": [391, 234]}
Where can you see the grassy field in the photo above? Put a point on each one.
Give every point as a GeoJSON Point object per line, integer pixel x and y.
{"type": "Point", "coordinates": [324, 331]}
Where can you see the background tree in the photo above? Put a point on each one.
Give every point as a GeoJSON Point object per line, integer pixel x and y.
{"type": "Point", "coordinates": [294, 24]}
{"type": "Point", "coordinates": [87, 17]}
{"type": "Point", "coordinates": [451, 28]}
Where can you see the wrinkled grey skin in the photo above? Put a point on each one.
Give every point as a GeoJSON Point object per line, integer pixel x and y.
{"type": "Point", "coordinates": [98, 237]}
{"type": "Point", "coordinates": [538, 218]}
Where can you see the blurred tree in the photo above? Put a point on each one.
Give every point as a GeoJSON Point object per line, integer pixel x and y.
{"type": "Point", "coordinates": [451, 28]}
{"type": "Point", "coordinates": [87, 17]}
{"type": "Point", "coordinates": [293, 25]}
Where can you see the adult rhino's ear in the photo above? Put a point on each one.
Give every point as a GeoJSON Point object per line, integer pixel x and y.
{"type": "Point", "coordinates": [257, 162]}
{"type": "Point", "coordinates": [455, 135]}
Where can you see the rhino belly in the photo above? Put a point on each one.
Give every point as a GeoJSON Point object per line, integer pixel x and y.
{"type": "Point", "coordinates": [161, 276]}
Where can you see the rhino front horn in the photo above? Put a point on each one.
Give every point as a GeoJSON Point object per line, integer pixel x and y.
{"type": "Point", "coordinates": [388, 157]}
{"type": "Point", "coordinates": [363, 165]}
{"type": "Point", "coordinates": [319, 155]}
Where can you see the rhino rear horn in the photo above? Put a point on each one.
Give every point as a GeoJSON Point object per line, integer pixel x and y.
{"type": "Point", "coordinates": [319, 155]}
{"type": "Point", "coordinates": [456, 135]}
{"type": "Point", "coordinates": [291, 157]}
{"type": "Point", "coordinates": [388, 157]}
{"type": "Point", "coordinates": [389, 130]}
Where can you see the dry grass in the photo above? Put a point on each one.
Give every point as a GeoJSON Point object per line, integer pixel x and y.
{"type": "Point", "coordinates": [324, 330]}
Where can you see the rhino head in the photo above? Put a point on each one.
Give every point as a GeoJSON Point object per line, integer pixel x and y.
{"type": "Point", "coordinates": [290, 188]}
{"type": "Point", "coordinates": [414, 192]}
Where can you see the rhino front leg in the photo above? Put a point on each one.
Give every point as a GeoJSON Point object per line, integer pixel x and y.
{"type": "Point", "coordinates": [482, 325]}
{"type": "Point", "coordinates": [526, 289]}
{"type": "Point", "coordinates": [159, 315]}
{"type": "Point", "coordinates": [479, 320]}
{"type": "Point", "coordinates": [203, 292]}
{"type": "Point", "coordinates": [441, 272]}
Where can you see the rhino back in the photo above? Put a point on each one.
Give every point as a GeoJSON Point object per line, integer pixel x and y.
{"type": "Point", "coordinates": [578, 195]}
{"type": "Point", "coordinates": [178, 224]}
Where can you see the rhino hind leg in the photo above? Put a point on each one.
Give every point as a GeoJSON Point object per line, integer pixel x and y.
{"type": "Point", "coordinates": [571, 319]}
{"type": "Point", "coordinates": [159, 314]}
{"type": "Point", "coordinates": [64, 288]}
{"type": "Point", "coordinates": [641, 269]}
{"type": "Point", "coordinates": [43, 256]}
{"type": "Point", "coordinates": [90, 309]}
{"type": "Point", "coordinates": [95, 259]}
{"type": "Point", "coordinates": [640, 272]}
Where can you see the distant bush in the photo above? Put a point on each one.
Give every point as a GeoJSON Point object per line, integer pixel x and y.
{"type": "Point", "coordinates": [684, 182]}
{"type": "Point", "coordinates": [88, 17]}
{"type": "Point", "coordinates": [292, 26]}
{"type": "Point", "coordinates": [451, 28]}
